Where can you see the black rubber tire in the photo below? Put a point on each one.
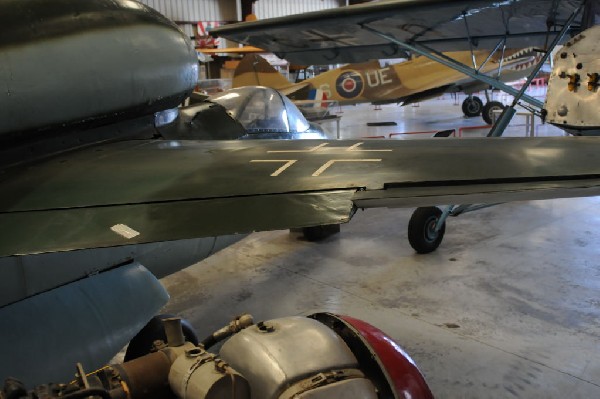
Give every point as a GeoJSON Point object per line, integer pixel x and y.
{"type": "Point", "coordinates": [488, 108]}
{"type": "Point", "coordinates": [421, 235]}
{"type": "Point", "coordinates": [318, 233]}
{"type": "Point", "coordinates": [472, 106]}
{"type": "Point", "coordinates": [141, 344]}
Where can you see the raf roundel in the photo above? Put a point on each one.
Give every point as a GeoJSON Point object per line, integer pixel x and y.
{"type": "Point", "coordinates": [349, 84]}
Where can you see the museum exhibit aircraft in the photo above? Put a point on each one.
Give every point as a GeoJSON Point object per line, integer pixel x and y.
{"type": "Point", "coordinates": [404, 83]}
{"type": "Point", "coordinates": [430, 27]}
{"type": "Point", "coordinates": [97, 205]}
{"type": "Point", "coordinates": [390, 28]}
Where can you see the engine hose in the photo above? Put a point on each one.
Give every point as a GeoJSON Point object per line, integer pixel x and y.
{"type": "Point", "coordinates": [209, 341]}
{"type": "Point", "coordinates": [236, 325]}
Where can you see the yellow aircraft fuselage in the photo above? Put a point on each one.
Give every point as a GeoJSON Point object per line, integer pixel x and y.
{"type": "Point", "coordinates": [369, 82]}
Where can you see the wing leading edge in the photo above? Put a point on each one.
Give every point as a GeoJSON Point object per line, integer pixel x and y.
{"type": "Point", "coordinates": [338, 35]}
{"type": "Point", "coordinates": [149, 191]}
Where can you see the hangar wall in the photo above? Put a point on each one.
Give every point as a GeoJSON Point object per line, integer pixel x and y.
{"type": "Point", "coordinates": [193, 11]}
{"type": "Point", "coordinates": [187, 13]}
{"type": "Point", "coordinates": [277, 8]}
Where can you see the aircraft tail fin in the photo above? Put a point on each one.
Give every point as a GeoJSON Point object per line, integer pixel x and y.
{"type": "Point", "coordinates": [254, 70]}
{"type": "Point", "coordinates": [318, 95]}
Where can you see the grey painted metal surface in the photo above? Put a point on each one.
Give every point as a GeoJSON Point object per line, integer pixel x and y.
{"type": "Point", "coordinates": [101, 60]}
{"type": "Point", "coordinates": [154, 188]}
{"type": "Point", "coordinates": [87, 321]}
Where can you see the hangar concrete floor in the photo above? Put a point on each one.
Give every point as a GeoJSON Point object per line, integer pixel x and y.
{"type": "Point", "coordinates": [508, 306]}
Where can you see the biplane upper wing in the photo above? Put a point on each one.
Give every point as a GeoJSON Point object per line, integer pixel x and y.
{"type": "Point", "coordinates": [148, 191]}
{"type": "Point", "coordinates": [347, 34]}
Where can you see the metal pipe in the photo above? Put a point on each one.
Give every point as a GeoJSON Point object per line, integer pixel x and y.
{"type": "Point", "coordinates": [173, 331]}
{"type": "Point", "coordinates": [473, 60]}
{"type": "Point", "coordinates": [440, 222]}
{"type": "Point", "coordinates": [502, 122]}
{"type": "Point", "coordinates": [491, 54]}
{"type": "Point", "coordinates": [501, 61]}
{"type": "Point", "coordinates": [236, 325]}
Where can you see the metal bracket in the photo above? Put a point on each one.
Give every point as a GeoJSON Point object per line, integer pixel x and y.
{"type": "Point", "coordinates": [456, 210]}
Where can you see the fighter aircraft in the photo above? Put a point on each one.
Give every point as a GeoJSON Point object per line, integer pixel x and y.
{"type": "Point", "coordinates": [405, 83]}
{"type": "Point", "coordinates": [96, 204]}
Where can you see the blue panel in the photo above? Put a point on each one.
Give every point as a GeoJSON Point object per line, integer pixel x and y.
{"type": "Point", "coordinates": [87, 321]}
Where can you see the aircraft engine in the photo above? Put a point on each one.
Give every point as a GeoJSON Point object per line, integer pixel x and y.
{"type": "Point", "coordinates": [572, 98]}
{"type": "Point", "coordinates": [320, 356]}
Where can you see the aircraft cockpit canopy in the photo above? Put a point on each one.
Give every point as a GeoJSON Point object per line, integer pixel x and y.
{"type": "Point", "coordinates": [261, 109]}
{"type": "Point", "coordinates": [251, 112]}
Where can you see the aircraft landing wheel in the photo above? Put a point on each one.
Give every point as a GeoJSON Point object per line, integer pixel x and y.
{"type": "Point", "coordinates": [421, 230]}
{"type": "Point", "coordinates": [141, 344]}
{"type": "Point", "coordinates": [318, 233]}
{"type": "Point", "coordinates": [488, 111]}
{"type": "Point", "coordinates": [472, 106]}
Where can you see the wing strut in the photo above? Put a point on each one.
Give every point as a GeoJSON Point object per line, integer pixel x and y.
{"type": "Point", "coordinates": [509, 111]}
{"type": "Point", "coordinates": [519, 95]}
{"type": "Point", "coordinates": [473, 60]}
{"type": "Point", "coordinates": [452, 63]}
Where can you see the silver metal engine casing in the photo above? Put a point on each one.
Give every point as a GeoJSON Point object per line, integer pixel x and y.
{"type": "Point", "coordinates": [354, 388]}
{"type": "Point", "coordinates": [198, 374]}
{"type": "Point", "coordinates": [275, 354]}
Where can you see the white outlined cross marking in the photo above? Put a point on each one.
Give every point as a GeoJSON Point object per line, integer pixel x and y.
{"type": "Point", "coordinates": [352, 148]}
{"type": "Point", "coordinates": [287, 164]}
{"type": "Point", "coordinates": [313, 149]}
{"type": "Point", "coordinates": [318, 148]}
{"type": "Point", "coordinates": [327, 164]}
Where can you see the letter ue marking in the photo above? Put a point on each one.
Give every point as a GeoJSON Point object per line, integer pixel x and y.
{"type": "Point", "coordinates": [288, 163]}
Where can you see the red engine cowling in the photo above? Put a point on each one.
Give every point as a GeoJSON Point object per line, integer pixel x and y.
{"type": "Point", "coordinates": [388, 366]}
